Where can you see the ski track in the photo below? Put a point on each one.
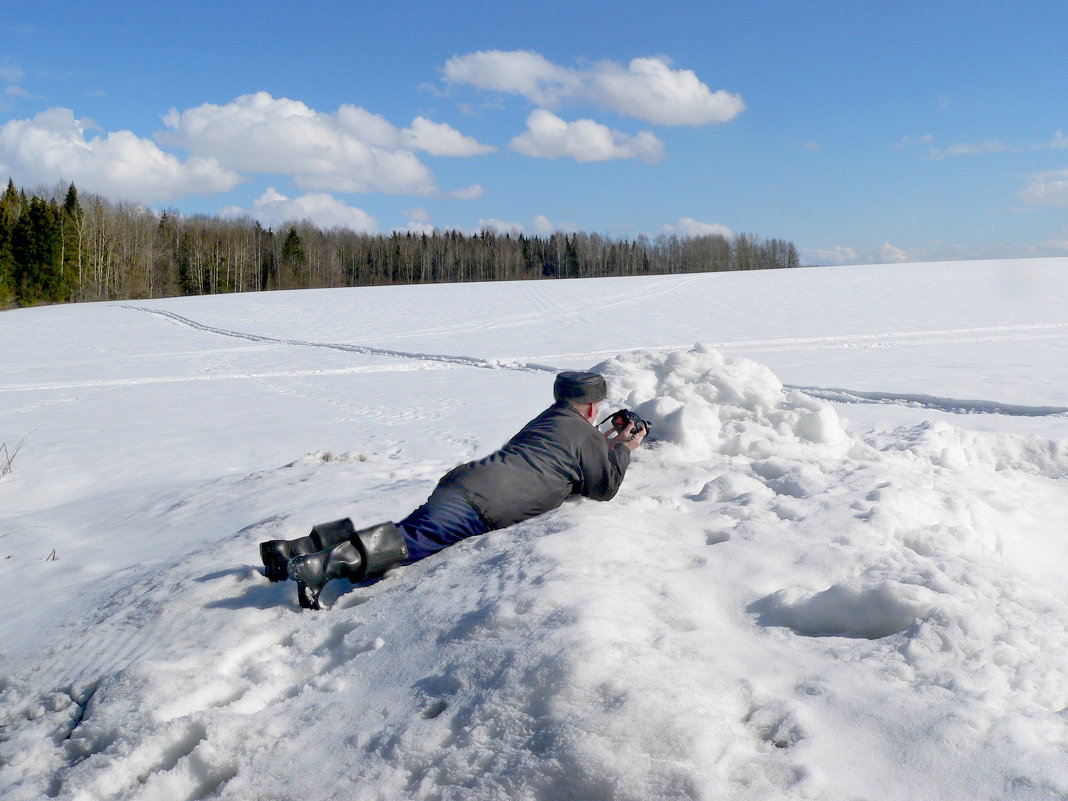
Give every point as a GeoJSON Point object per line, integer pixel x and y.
{"type": "Point", "coordinates": [948, 405]}
{"type": "Point", "coordinates": [462, 361]}
{"type": "Point", "coordinates": [447, 361]}
{"type": "Point", "coordinates": [175, 379]}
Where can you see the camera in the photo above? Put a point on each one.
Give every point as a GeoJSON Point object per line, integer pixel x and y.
{"type": "Point", "coordinates": [628, 422]}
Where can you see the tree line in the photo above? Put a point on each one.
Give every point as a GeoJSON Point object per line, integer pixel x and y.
{"type": "Point", "coordinates": [58, 246]}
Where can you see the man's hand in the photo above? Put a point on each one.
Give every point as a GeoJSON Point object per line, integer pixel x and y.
{"type": "Point", "coordinates": [631, 440]}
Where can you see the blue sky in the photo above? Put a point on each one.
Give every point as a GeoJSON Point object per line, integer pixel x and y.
{"type": "Point", "coordinates": [862, 131]}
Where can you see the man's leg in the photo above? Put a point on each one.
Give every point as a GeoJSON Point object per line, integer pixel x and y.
{"type": "Point", "coordinates": [369, 552]}
{"type": "Point", "coordinates": [275, 554]}
{"type": "Point", "coordinates": [445, 519]}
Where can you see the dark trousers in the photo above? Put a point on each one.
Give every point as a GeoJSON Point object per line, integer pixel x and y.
{"type": "Point", "coordinates": [445, 519]}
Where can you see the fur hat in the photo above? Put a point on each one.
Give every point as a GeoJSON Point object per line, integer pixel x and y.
{"type": "Point", "coordinates": [572, 387]}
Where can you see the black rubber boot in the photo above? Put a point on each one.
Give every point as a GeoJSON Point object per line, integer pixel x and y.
{"type": "Point", "coordinates": [370, 552]}
{"type": "Point", "coordinates": [275, 554]}
{"type": "Point", "coordinates": [313, 570]}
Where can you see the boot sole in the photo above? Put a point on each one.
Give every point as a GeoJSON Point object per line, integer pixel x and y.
{"type": "Point", "coordinates": [275, 557]}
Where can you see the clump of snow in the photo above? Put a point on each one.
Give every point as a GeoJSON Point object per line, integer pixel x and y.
{"type": "Point", "coordinates": [872, 612]}
{"type": "Point", "coordinates": [705, 403]}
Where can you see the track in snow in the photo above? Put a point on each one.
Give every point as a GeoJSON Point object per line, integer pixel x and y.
{"type": "Point", "coordinates": [950, 405]}
{"type": "Point", "coordinates": [463, 361]}
{"type": "Point", "coordinates": [832, 394]}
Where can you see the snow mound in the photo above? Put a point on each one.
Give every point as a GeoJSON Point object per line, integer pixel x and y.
{"type": "Point", "coordinates": [961, 450]}
{"type": "Point", "coordinates": [850, 610]}
{"type": "Point", "coordinates": [701, 402]}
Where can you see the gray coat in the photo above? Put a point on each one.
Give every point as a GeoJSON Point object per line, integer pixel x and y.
{"type": "Point", "coordinates": [555, 455]}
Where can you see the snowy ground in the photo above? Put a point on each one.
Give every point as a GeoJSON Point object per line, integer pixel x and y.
{"type": "Point", "coordinates": [848, 588]}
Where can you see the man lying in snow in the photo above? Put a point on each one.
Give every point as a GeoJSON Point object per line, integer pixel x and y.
{"type": "Point", "coordinates": [560, 452]}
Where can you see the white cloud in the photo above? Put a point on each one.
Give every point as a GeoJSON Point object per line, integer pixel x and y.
{"type": "Point", "coordinates": [53, 146]}
{"type": "Point", "coordinates": [440, 139]}
{"type": "Point", "coordinates": [646, 88]}
{"type": "Point", "coordinates": [688, 227]}
{"type": "Point", "coordinates": [518, 72]}
{"type": "Point", "coordinates": [542, 225]}
{"type": "Point", "coordinates": [273, 209]}
{"type": "Point", "coordinates": [352, 150]}
{"type": "Point", "coordinates": [889, 253]}
{"type": "Point", "coordinates": [472, 192]}
{"type": "Point", "coordinates": [547, 136]}
{"type": "Point", "coordinates": [972, 149]}
{"type": "Point", "coordinates": [258, 133]}
{"type": "Point", "coordinates": [958, 149]}
{"type": "Point", "coordinates": [500, 226]}
{"type": "Point", "coordinates": [650, 90]}
{"type": "Point", "coordinates": [839, 254]}
{"type": "Point", "coordinates": [907, 141]}
{"type": "Point", "coordinates": [1047, 188]}
{"type": "Point", "coordinates": [417, 227]}
{"type": "Point", "coordinates": [418, 214]}
{"type": "Point", "coordinates": [365, 126]}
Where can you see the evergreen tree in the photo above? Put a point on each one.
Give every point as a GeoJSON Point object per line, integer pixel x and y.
{"type": "Point", "coordinates": [71, 228]}
{"type": "Point", "coordinates": [571, 267]}
{"type": "Point", "coordinates": [10, 210]}
{"type": "Point", "coordinates": [294, 260]}
{"type": "Point", "coordinates": [265, 254]}
{"type": "Point", "coordinates": [36, 246]}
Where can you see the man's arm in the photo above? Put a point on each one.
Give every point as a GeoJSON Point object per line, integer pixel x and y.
{"type": "Point", "coordinates": [604, 463]}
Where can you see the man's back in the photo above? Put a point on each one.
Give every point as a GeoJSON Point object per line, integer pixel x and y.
{"type": "Point", "coordinates": [557, 454]}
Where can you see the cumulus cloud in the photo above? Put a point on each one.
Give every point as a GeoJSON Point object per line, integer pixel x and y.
{"type": "Point", "coordinates": [889, 253]}
{"type": "Point", "coordinates": [416, 227]}
{"type": "Point", "coordinates": [1047, 188]}
{"type": "Point", "coordinates": [440, 139]}
{"type": "Point", "coordinates": [272, 209]}
{"type": "Point", "coordinates": [542, 225]}
{"type": "Point", "coordinates": [547, 136]}
{"type": "Point", "coordinates": [352, 150]}
{"type": "Point", "coordinates": [687, 227]}
{"type": "Point", "coordinates": [646, 88]}
{"type": "Point", "coordinates": [649, 89]}
{"type": "Point", "coordinates": [472, 192]}
{"type": "Point", "coordinates": [500, 226]}
{"type": "Point", "coordinates": [418, 214]}
{"type": "Point", "coordinates": [53, 146]}
{"type": "Point", "coordinates": [517, 72]}
{"type": "Point", "coordinates": [839, 254]}
{"type": "Point", "coordinates": [420, 221]}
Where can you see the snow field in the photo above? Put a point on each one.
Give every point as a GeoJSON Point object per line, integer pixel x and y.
{"type": "Point", "coordinates": [777, 605]}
